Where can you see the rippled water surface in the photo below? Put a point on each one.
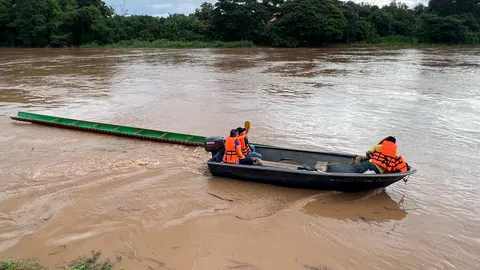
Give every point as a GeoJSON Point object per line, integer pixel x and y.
{"type": "Point", "coordinates": [64, 193]}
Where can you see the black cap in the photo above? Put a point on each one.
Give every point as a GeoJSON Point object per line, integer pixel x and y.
{"type": "Point", "coordinates": [240, 130]}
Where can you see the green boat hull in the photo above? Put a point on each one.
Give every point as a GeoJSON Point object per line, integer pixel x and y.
{"type": "Point", "coordinates": [110, 129]}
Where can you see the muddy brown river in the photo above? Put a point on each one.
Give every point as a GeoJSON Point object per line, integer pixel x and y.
{"type": "Point", "coordinates": [148, 205]}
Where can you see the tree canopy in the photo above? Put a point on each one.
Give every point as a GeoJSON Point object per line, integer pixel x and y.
{"type": "Point", "coordinates": [290, 23]}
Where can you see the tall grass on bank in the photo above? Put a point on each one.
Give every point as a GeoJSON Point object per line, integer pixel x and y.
{"type": "Point", "coordinates": [392, 41]}
{"type": "Point", "coordinates": [172, 44]}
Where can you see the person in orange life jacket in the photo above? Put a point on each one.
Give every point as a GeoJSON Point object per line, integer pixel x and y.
{"type": "Point", "coordinates": [248, 149]}
{"type": "Point", "coordinates": [383, 158]}
{"type": "Point", "coordinates": [233, 152]}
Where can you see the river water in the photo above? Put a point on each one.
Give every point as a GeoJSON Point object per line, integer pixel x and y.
{"type": "Point", "coordinates": [148, 205]}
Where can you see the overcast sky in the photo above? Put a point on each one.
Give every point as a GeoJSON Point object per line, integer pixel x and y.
{"type": "Point", "coordinates": [164, 7]}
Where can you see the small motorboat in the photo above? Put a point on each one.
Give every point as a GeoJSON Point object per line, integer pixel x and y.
{"type": "Point", "coordinates": [302, 169]}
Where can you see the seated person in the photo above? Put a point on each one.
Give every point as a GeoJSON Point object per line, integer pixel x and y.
{"type": "Point", "coordinates": [248, 149]}
{"type": "Point", "coordinates": [233, 153]}
{"type": "Point", "coordinates": [383, 158]}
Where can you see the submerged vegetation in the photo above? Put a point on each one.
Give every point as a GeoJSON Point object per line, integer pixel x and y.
{"type": "Point", "coordinates": [239, 23]}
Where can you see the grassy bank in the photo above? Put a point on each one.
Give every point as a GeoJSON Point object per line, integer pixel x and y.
{"type": "Point", "coordinates": [382, 42]}
{"type": "Point", "coordinates": [172, 44]}
{"type": "Point", "coordinates": [385, 42]}
{"type": "Point", "coordinates": [91, 262]}
{"type": "Point", "coordinates": [396, 41]}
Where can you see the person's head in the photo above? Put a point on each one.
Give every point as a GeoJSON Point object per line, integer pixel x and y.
{"type": "Point", "coordinates": [233, 133]}
{"type": "Point", "coordinates": [391, 139]}
{"type": "Point", "coordinates": [241, 130]}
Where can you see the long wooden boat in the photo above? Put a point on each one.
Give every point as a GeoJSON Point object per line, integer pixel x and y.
{"type": "Point", "coordinates": [306, 169]}
{"type": "Point", "coordinates": [111, 129]}
{"type": "Point", "coordinates": [123, 131]}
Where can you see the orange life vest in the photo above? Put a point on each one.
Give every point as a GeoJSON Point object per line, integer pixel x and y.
{"type": "Point", "coordinates": [400, 164]}
{"type": "Point", "coordinates": [230, 155]}
{"type": "Point", "coordinates": [245, 147]}
{"type": "Point", "coordinates": [386, 156]}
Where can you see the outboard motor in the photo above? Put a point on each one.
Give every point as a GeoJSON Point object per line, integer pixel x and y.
{"type": "Point", "coordinates": [214, 145]}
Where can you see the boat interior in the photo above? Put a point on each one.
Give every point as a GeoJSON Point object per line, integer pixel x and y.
{"type": "Point", "coordinates": [306, 160]}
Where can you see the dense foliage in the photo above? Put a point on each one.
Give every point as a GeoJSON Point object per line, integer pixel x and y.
{"type": "Point", "coordinates": [40, 23]}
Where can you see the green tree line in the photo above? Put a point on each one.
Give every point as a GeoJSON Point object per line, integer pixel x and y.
{"type": "Point", "coordinates": [283, 23]}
